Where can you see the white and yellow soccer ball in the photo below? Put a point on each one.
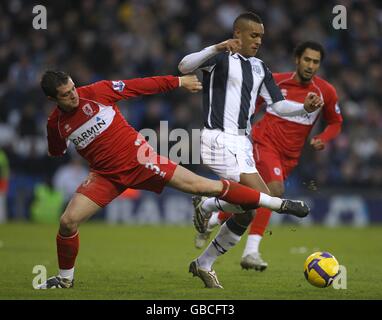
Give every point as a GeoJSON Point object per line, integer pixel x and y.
{"type": "Point", "coordinates": [320, 269]}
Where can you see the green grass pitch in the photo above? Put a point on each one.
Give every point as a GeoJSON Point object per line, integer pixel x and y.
{"type": "Point", "coordinates": [151, 262]}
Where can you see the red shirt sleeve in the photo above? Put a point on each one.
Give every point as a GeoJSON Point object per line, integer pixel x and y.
{"type": "Point", "coordinates": [112, 91]}
{"type": "Point", "coordinates": [56, 144]}
{"type": "Point", "coordinates": [331, 114]}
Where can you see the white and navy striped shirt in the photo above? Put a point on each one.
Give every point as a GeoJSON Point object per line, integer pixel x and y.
{"type": "Point", "coordinates": [231, 85]}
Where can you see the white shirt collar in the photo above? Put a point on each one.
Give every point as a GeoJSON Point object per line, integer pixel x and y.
{"type": "Point", "coordinates": [239, 55]}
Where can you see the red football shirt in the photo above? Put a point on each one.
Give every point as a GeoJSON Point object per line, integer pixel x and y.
{"type": "Point", "coordinates": [288, 134]}
{"type": "Point", "coordinates": [97, 129]}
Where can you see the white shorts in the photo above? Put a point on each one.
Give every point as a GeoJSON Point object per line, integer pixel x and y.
{"type": "Point", "coordinates": [227, 155]}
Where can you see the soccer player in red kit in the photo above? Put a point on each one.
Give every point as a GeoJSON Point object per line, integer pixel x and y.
{"type": "Point", "coordinates": [120, 158]}
{"type": "Point", "coordinates": [278, 140]}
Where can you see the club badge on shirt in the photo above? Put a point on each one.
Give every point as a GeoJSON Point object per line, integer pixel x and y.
{"type": "Point", "coordinates": [256, 69]}
{"type": "Point", "coordinates": [277, 171]}
{"type": "Point", "coordinates": [87, 109]}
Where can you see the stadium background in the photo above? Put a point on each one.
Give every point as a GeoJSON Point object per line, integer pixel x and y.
{"type": "Point", "coordinates": [94, 40]}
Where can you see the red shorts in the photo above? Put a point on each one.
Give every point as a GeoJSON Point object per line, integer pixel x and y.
{"type": "Point", "coordinates": [271, 165]}
{"type": "Point", "coordinates": [102, 188]}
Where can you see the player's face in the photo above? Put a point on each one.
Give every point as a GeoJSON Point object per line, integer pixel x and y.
{"type": "Point", "coordinates": [308, 64]}
{"type": "Point", "coordinates": [67, 96]}
{"type": "Point", "coordinates": [250, 33]}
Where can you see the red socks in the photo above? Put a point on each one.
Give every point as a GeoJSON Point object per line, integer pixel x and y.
{"type": "Point", "coordinates": [260, 221]}
{"type": "Point", "coordinates": [67, 250]}
{"type": "Point", "coordinates": [237, 193]}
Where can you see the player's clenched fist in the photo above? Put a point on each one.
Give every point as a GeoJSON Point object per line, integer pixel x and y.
{"type": "Point", "coordinates": [317, 144]}
{"type": "Point", "coordinates": [312, 102]}
{"type": "Point", "coordinates": [232, 45]}
{"type": "Point", "coordinates": [191, 83]}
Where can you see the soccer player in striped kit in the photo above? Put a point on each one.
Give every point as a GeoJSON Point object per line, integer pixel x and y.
{"type": "Point", "coordinates": [278, 140]}
{"type": "Point", "coordinates": [232, 80]}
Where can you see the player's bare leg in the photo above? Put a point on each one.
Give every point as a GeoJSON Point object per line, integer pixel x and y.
{"type": "Point", "coordinates": [79, 209]}
{"type": "Point", "coordinates": [189, 182]}
{"type": "Point", "coordinates": [251, 257]}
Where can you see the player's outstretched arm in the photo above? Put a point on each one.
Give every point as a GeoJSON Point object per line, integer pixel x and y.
{"type": "Point", "coordinates": [113, 91]}
{"type": "Point", "coordinates": [272, 95]}
{"type": "Point", "coordinates": [289, 108]}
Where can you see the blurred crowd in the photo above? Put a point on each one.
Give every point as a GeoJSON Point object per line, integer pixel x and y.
{"type": "Point", "coordinates": [115, 39]}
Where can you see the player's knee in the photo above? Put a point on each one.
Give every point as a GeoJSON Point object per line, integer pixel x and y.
{"type": "Point", "coordinates": [68, 224]}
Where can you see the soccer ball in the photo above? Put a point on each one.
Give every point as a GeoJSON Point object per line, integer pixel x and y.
{"type": "Point", "coordinates": [320, 269]}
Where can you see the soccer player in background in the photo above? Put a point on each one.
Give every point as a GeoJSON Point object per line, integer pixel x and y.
{"type": "Point", "coordinates": [120, 158]}
{"type": "Point", "coordinates": [232, 80]}
{"type": "Point", "coordinates": [279, 140]}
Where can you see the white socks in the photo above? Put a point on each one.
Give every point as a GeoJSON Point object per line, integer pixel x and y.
{"type": "Point", "coordinates": [252, 245]}
{"type": "Point", "coordinates": [269, 202]}
{"type": "Point", "coordinates": [224, 240]}
{"type": "Point", "coordinates": [67, 273]}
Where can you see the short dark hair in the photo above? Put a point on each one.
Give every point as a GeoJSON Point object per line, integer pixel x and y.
{"type": "Point", "coordinates": [301, 47]}
{"type": "Point", "coordinates": [50, 80]}
{"type": "Point", "coordinates": [251, 16]}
